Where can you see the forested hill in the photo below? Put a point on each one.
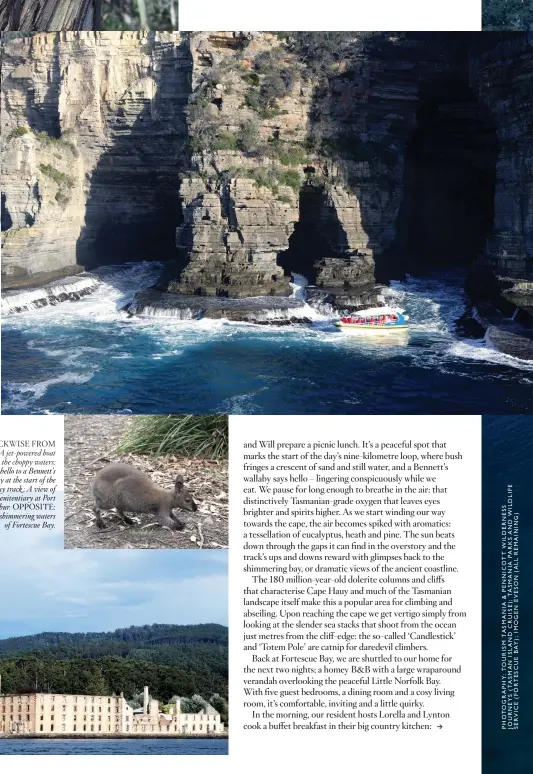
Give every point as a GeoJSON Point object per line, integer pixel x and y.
{"type": "Point", "coordinates": [182, 660]}
{"type": "Point", "coordinates": [127, 639]}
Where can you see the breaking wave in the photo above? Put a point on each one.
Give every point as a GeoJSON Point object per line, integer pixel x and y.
{"type": "Point", "coordinates": [60, 360]}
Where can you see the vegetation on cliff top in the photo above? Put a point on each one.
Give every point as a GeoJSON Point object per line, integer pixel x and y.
{"type": "Point", "coordinates": [269, 78]}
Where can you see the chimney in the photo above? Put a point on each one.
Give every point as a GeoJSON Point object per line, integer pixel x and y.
{"type": "Point", "coordinates": [146, 703]}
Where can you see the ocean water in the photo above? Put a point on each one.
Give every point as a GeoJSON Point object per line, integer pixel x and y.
{"type": "Point", "coordinates": [507, 459]}
{"type": "Point", "coordinates": [87, 356]}
{"type": "Point", "coordinates": [113, 746]}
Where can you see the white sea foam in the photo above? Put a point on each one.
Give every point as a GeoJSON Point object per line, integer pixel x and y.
{"type": "Point", "coordinates": [20, 394]}
{"type": "Point", "coordinates": [480, 349]}
{"type": "Point", "coordinates": [113, 289]}
{"type": "Point", "coordinates": [70, 335]}
{"type": "Point", "coordinates": [17, 301]}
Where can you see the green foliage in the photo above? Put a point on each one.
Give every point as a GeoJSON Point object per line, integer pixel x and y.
{"type": "Point", "coordinates": [252, 99]}
{"type": "Point", "coordinates": [124, 15]}
{"type": "Point", "coordinates": [291, 154]}
{"type": "Point", "coordinates": [18, 131]}
{"type": "Point", "coordinates": [192, 435]}
{"type": "Point", "coordinates": [271, 82]}
{"type": "Point", "coordinates": [195, 145]}
{"type": "Point", "coordinates": [224, 141]}
{"type": "Point", "coordinates": [198, 107]}
{"type": "Point", "coordinates": [193, 704]}
{"type": "Point", "coordinates": [323, 52]}
{"type": "Point", "coordinates": [256, 100]}
{"type": "Point", "coordinates": [58, 177]}
{"type": "Point", "coordinates": [284, 199]}
{"type": "Point", "coordinates": [272, 178]}
{"type": "Point", "coordinates": [264, 177]}
{"type": "Point", "coordinates": [58, 142]}
{"type": "Point", "coordinates": [252, 78]}
{"type": "Point", "coordinates": [248, 139]}
{"type": "Point", "coordinates": [172, 660]}
{"type": "Point", "coordinates": [290, 178]}
{"type": "Point", "coordinates": [221, 705]}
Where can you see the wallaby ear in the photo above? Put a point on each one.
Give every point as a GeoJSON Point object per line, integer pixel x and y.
{"type": "Point", "coordinates": [178, 486]}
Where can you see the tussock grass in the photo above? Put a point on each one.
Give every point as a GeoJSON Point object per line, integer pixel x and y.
{"type": "Point", "coordinates": [189, 435]}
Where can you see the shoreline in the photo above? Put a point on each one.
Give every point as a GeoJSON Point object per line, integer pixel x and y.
{"type": "Point", "coordinates": [109, 737]}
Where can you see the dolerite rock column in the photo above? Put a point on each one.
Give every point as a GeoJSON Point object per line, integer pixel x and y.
{"type": "Point", "coordinates": [233, 237]}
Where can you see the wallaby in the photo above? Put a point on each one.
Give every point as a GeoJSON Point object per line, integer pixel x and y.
{"type": "Point", "coordinates": [127, 489]}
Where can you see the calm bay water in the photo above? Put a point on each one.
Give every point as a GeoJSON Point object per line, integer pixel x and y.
{"type": "Point", "coordinates": [507, 460]}
{"type": "Point", "coordinates": [113, 746]}
{"type": "Point", "coordinates": [86, 356]}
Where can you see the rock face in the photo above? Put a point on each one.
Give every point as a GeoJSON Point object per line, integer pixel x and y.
{"type": "Point", "coordinates": [262, 311]}
{"type": "Point", "coordinates": [49, 15]}
{"type": "Point", "coordinates": [232, 238]}
{"type": "Point", "coordinates": [503, 77]}
{"type": "Point", "coordinates": [240, 157]}
{"type": "Point", "coordinates": [93, 131]}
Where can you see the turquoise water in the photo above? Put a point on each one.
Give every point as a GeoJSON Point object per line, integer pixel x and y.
{"type": "Point", "coordinates": [87, 356]}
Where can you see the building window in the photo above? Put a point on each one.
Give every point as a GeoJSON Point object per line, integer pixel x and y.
{"type": "Point", "coordinates": [41, 726]}
{"type": "Point", "coordinates": [62, 727]}
{"type": "Point", "coordinates": [64, 707]}
{"type": "Point", "coordinates": [27, 717]}
{"type": "Point", "coordinates": [85, 728]}
{"type": "Point", "coordinates": [51, 717]}
{"type": "Point", "coordinates": [92, 728]}
{"type": "Point", "coordinates": [74, 727]}
{"type": "Point", "coordinates": [52, 727]}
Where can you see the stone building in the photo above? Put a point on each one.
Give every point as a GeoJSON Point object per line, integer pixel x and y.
{"type": "Point", "coordinates": [46, 713]}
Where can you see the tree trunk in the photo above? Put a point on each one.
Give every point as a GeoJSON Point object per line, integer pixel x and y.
{"type": "Point", "coordinates": [49, 15]}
